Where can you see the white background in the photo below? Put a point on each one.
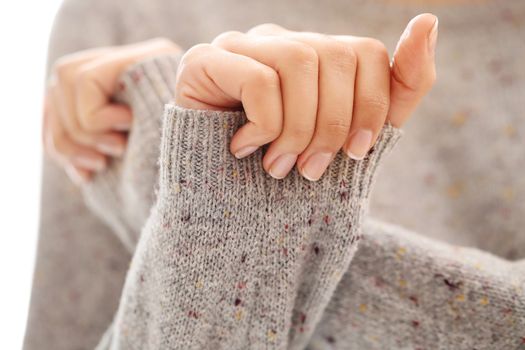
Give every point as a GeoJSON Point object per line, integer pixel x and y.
{"type": "Point", "coordinates": [24, 29]}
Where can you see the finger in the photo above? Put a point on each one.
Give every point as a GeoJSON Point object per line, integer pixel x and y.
{"type": "Point", "coordinates": [62, 87]}
{"type": "Point", "coordinates": [268, 29]}
{"type": "Point", "coordinates": [225, 79]}
{"type": "Point", "coordinates": [297, 66]}
{"type": "Point", "coordinates": [66, 152]}
{"type": "Point", "coordinates": [110, 143]}
{"type": "Point", "coordinates": [337, 69]}
{"type": "Point", "coordinates": [69, 153]}
{"type": "Point", "coordinates": [78, 175]}
{"type": "Point", "coordinates": [413, 69]}
{"type": "Point", "coordinates": [95, 84]}
{"type": "Point", "coordinates": [371, 97]}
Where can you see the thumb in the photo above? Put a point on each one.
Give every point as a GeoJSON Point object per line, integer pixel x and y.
{"type": "Point", "coordinates": [413, 69]}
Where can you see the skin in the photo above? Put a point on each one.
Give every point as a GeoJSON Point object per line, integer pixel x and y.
{"type": "Point", "coordinates": [83, 127]}
{"type": "Point", "coordinates": [308, 95]}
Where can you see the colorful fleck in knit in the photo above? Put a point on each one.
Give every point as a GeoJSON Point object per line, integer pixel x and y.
{"type": "Point", "coordinates": [232, 259]}
{"type": "Point", "coordinates": [229, 258]}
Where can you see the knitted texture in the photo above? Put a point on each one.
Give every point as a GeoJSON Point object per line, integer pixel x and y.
{"type": "Point", "coordinates": [214, 270]}
{"type": "Point", "coordinates": [231, 258]}
{"type": "Point", "coordinates": [123, 194]}
{"type": "Point", "coordinates": [455, 176]}
{"type": "Point", "coordinates": [405, 291]}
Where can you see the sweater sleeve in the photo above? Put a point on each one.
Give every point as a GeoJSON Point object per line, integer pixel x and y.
{"type": "Point", "coordinates": [405, 291]}
{"type": "Point", "coordinates": [231, 258]}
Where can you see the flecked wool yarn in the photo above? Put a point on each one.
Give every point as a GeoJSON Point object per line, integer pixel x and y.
{"type": "Point", "coordinates": [453, 183]}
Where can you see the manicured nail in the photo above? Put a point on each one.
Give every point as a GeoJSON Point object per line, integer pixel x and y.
{"type": "Point", "coordinates": [110, 148]}
{"type": "Point", "coordinates": [432, 37]}
{"type": "Point", "coordinates": [316, 165]}
{"type": "Point", "coordinates": [282, 165]}
{"type": "Point", "coordinates": [360, 143]}
{"type": "Point", "coordinates": [90, 163]}
{"type": "Point", "coordinates": [245, 151]}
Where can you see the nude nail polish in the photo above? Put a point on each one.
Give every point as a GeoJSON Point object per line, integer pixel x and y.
{"type": "Point", "coordinates": [245, 151]}
{"type": "Point", "coordinates": [360, 143]}
{"type": "Point", "coordinates": [315, 165]}
{"type": "Point", "coordinates": [282, 165]}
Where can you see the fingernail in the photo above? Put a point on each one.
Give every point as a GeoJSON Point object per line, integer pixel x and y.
{"type": "Point", "coordinates": [360, 143]}
{"type": "Point", "coordinates": [122, 127]}
{"type": "Point", "coordinates": [432, 37]}
{"type": "Point", "coordinates": [316, 165]}
{"type": "Point", "coordinates": [282, 165]}
{"type": "Point", "coordinates": [90, 163]}
{"type": "Point", "coordinates": [75, 176]}
{"type": "Point", "coordinates": [110, 148]}
{"type": "Point", "coordinates": [245, 151]}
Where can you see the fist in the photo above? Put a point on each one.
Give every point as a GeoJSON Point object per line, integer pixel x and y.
{"type": "Point", "coordinates": [83, 126]}
{"type": "Point", "coordinates": [309, 95]}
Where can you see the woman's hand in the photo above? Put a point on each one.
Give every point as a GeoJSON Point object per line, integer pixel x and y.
{"type": "Point", "coordinates": [309, 94]}
{"type": "Point", "coordinates": [82, 125]}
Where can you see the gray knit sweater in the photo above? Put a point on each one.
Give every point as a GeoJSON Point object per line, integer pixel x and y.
{"type": "Point", "coordinates": [223, 256]}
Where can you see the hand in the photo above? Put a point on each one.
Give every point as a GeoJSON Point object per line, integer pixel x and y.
{"type": "Point", "coordinates": [309, 94]}
{"type": "Point", "coordinates": [83, 127]}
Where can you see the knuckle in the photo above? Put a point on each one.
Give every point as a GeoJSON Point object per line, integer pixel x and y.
{"type": "Point", "coordinates": [302, 56]}
{"type": "Point", "coordinates": [196, 51]}
{"type": "Point", "coordinates": [226, 39]}
{"type": "Point", "coordinates": [266, 28]}
{"type": "Point", "coordinates": [266, 78]}
{"type": "Point", "coordinates": [341, 56]}
{"type": "Point", "coordinates": [375, 103]}
{"type": "Point", "coordinates": [189, 69]}
{"type": "Point", "coordinates": [375, 46]}
{"type": "Point", "coordinates": [337, 128]}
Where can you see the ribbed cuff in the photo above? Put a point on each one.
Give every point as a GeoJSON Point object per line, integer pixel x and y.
{"type": "Point", "coordinates": [195, 153]}
{"type": "Point", "coordinates": [151, 81]}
